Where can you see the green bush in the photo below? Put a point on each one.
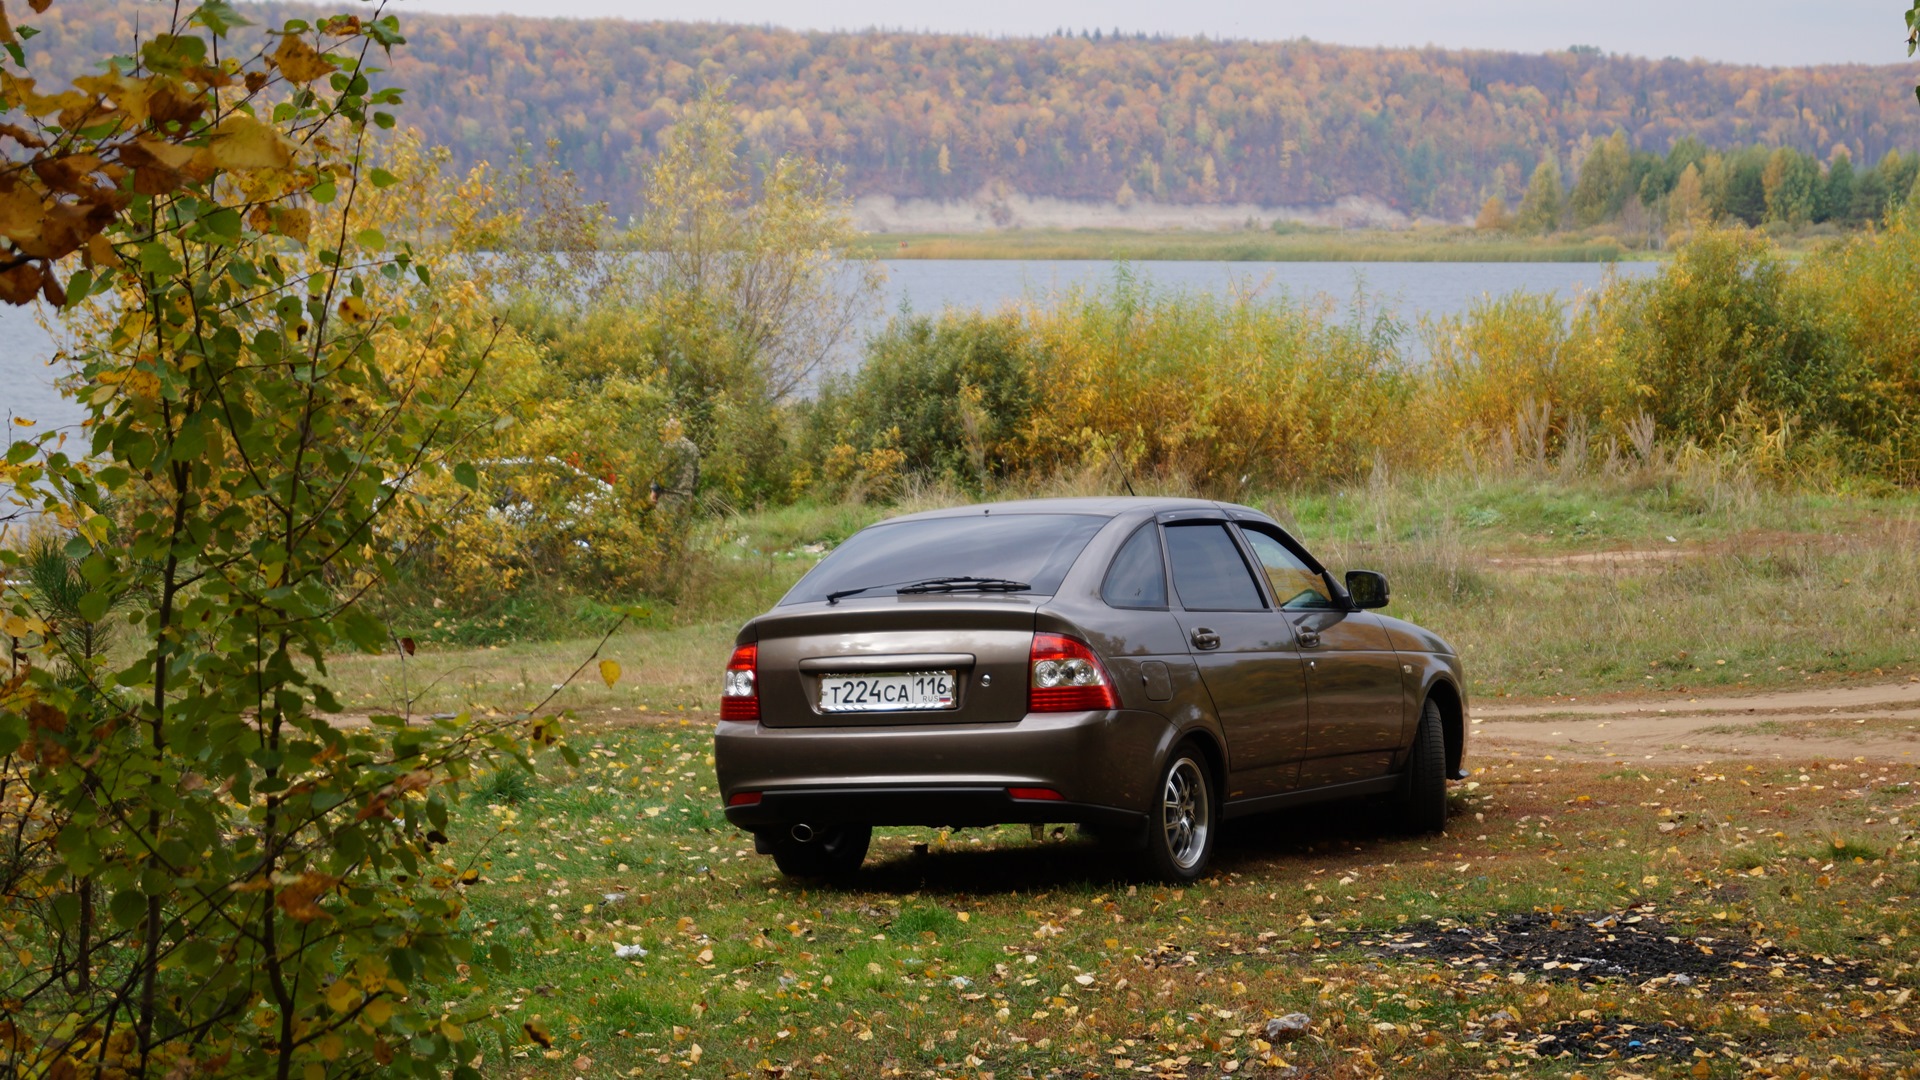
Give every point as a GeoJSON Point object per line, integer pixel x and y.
{"type": "Point", "coordinates": [1730, 328]}
{"type": "Point", "coordinates": [952, 393]}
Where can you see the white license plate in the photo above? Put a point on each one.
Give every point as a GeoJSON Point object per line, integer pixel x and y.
{"type": "Point", "coordinates": [887, 691]}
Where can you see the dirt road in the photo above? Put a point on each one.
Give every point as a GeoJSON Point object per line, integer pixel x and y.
{"type": "Point", "coordinates": [1875, 721]}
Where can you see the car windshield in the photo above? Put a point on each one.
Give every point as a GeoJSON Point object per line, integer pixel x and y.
{"type": "Point", "coordinates": [1035, 549]}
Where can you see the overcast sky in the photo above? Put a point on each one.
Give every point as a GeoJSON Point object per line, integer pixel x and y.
{"type": "Point", "coordinates": [1744, 31]}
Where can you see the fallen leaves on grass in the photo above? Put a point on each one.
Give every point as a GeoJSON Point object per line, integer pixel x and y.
{"type": "Point", "coordinates": [989, 953]}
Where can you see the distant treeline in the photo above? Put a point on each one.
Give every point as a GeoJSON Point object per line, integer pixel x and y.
{"type": "Point", "coordinates": [1429, 131]}
{"type": "Point", "coordinates": [1649, 194]}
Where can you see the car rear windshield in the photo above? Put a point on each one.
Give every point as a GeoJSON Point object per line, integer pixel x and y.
{"type": "Point", "coordinates": [1034, 548]}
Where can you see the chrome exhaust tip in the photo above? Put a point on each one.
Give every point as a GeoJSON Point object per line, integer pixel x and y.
{"type": "Point", "coordinates": [801, 833]}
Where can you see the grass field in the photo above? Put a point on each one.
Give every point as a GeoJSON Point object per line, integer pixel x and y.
{"type": "Point", "coordinates": [1301, 245]}
{"type": "Point", "coordinates": [1548, 587]}
{"type": "Point", "coordinates": [1594, 919]}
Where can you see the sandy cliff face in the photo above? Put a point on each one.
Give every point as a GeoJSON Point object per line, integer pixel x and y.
{"type": "Point", "coordinates": [992, 209]}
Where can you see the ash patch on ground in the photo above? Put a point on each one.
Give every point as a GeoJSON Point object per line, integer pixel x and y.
{"type": "Point", "coordinates": [1606, 1038]}
{"type": "Point", "coordinates": [1634, 944]}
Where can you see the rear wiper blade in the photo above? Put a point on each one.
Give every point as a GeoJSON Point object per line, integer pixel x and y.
{"type": "Point", "coordinates": [964, 584]}
{"type": "Point", "coordinates": [940, 585]}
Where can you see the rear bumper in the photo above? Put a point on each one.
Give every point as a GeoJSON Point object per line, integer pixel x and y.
{"type": "Point", "coordinates": [1101, 763]}
{"type": "Point", "coordinates": [957, 805]}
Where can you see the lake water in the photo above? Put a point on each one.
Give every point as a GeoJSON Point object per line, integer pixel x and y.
{"type": "Point", "coordinates": [1408, 290]}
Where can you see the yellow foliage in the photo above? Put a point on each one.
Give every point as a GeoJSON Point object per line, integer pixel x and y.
{"type": "Point", "coordinates": [880, 468]}
{"type": "Point", "coordinates": [1223, 392]}
{"type": "Point", "coordinates": [241, 143]}
{"type": "Point", "coordinates": [1513, 354]}
{"type": "Point", "coordinates": [299, 61]}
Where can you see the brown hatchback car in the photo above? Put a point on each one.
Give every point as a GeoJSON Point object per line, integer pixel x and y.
{"type": "Point", "coordinates": [1145, 668]}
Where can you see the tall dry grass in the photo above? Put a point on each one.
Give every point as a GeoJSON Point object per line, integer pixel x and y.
{"type": "Point", "coordinates": [1230, 391]}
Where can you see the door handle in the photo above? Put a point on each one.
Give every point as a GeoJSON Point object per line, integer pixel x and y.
{"type": "Point", "coordinates": [1204, 638]}
{"type": "Point", "coordinates": [1309, 638]}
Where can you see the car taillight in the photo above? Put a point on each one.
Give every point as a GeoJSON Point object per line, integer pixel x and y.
{"type": "Point", "coordinates": [1067, 677]}
{"type": "Point", "coordinates": [740, 697]}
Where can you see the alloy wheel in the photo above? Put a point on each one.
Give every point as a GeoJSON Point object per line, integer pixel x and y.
{"type": "Point", "coordinates": [1186, 813]}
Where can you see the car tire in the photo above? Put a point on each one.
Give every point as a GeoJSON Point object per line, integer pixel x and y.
{"type": "Point", "coordinates": [1423, 790]}
{"type": "Point", "coordinates": [1185, 817]}
{"type": "Point", "coordinates": [834, 853]}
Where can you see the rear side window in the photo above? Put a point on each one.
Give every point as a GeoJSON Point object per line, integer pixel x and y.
{"type": "Point", "coordinates": [1138, 577]}
{"type": "Point", "coordinates": [1208, 572]}
{"type": "Point", "coordinates": [1038, 549]}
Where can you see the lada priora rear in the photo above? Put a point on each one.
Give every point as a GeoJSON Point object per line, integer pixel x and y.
{"type": "Point", "coordinates": [1145, 668]}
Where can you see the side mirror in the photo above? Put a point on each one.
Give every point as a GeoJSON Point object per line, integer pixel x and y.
{"type": "Point", "coordinates": [1367, 588]}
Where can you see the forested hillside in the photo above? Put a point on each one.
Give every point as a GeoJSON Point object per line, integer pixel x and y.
{"type": "Point", "coordinates": [1110, 118]}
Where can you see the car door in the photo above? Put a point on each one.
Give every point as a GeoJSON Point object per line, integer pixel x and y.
{"type": "Point", "coordinates": [1244, 650]}
{"type": "Point", "coordinates": [1355, 697]}
{"type": "Point", "coordinates": [1143, 644]}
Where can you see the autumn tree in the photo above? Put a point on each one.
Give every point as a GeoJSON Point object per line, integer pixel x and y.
{"type": "Point", "coordinates": [1540, 206]}
{"type": "Point", "coordinates": [1603, 185]}
{"type": "Point", "coordinates": [1493, 214]}
{"type": "Point", "coordinates": [770, 250]}
{"type": "Point", "coordinates": [206, 875]}
{"type": "Point", "coordinates": [1836, 191]}
{"type": "Point", "coordinates": [746, 279]}
{"type": "Point", "coordinates": [1686, 205]}
{"type": "Point", "coordinates": [1913, 34]}
{"type": "Point", "coordinates": [1791, 181]}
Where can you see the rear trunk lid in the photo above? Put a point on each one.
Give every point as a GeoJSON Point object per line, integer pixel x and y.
{"type": "Point", "coordinates": [896, 660]}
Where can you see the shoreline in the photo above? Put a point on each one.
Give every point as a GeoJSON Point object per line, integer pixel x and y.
{"type": "Point", "coordinates": [1317, 245]}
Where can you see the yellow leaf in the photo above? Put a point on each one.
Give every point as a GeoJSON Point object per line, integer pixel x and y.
{"type": "Point", "coordinates": [341, 996]}
{"type": "Point", "coordinates": [355, 310]}
{"type": "Point", "coordinates": [20, 213]}
{"type": "Point", "coordinates": [292, 221]}
{"type": "Point", "coordinates": [241, 144]}
{"type": "Point", "coordinates": [172, 155]}
{"type": "Point", "coordinates": [609, 672]}
{"type": "Point", "coordinates": [378, 1011]}
{"type": "Point", "coordinates": [100, 250]}
{"type": "Point", "coordinates": [299, 61]}
{"type": "Point", "coordinates": [332, 1046]}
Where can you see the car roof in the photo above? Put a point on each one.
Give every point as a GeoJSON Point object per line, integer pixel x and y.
{"type": "Point", "coordinates": [1101, 506]}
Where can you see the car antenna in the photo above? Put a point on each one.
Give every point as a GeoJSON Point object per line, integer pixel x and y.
{"type": "Point", "coordinates": [1125, 479]}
